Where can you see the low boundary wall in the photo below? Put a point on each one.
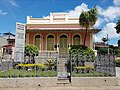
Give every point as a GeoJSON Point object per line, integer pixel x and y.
{"type": "Point", "coordinates": [35, 82]}
{"type": "Point", "coordinates": [32, 82]}
{"type": "Point", "coordinates": [94, 81]}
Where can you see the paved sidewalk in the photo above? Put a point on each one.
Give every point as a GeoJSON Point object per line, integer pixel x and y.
{"type": "Point", "coordinates": [117, 71]}
{"type": "Point", "coordinates": [66, 88]}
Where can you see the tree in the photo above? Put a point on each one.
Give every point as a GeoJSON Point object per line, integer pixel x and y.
{"type": "Point", "coordinates": [88, 19]}
{"type": "Point", "coordinates": [118, 27]}
{"type": "Point", "coordinates": [31, 51]}
{"type": "Point", "coordinates": [104, 39]}
{"type": "Point", "coordinates": [118, 42]}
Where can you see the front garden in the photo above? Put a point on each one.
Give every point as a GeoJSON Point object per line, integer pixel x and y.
{"type": "Point", "coordinates": [81, 63]}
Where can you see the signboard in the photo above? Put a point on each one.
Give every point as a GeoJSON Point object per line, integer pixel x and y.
{"type": "Point", "coordinates": [19, 42]}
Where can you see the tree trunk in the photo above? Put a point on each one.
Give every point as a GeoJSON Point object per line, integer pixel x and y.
{"type": "Point", "coordinates": [85, 36]}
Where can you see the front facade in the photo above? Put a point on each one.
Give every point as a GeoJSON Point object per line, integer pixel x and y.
{"type": "Point", "coordinates": [57, 32]}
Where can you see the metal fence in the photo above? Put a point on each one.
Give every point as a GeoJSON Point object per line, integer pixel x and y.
{"type": "Point", "coordinates": [91, 66]}
{"type": "Point", "coordinates": [50, 64]}
{"type": "Point", "coordinates": [43, 65]}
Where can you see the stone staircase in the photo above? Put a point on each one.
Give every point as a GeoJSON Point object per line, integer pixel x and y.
{"type": "Point", "coordinates": [62, 71]}
{"type": "Point", "coordinates": [63, 82]}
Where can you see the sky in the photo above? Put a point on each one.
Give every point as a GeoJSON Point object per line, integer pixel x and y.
{"type": "Point", "coordinates": [12, 11]}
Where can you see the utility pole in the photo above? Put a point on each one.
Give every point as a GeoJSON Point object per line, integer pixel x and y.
{"type": "Point", "coordinates": [9, 35]}
{"type": "Point", "coordinates": [108, 44]}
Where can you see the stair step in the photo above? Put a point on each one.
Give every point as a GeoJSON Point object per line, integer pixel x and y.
{"type": "Point", "coordinates": [61, 69]}
{"type": "Point", "coordinates": [61, 65]}
{"type": "Point", "coordinates": [63, 82]}
{"type": "Point", "coordinates": [62, 74]}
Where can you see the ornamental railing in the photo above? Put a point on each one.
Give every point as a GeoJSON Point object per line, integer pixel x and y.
{"type": "Point", "coordinates": [80, 65]}
{"type": "Point", "coordinates": [46, 64]}
{"type": "Point", "coordinates": [43, 65]}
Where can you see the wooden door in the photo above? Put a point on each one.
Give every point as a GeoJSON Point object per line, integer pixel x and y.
{"type": "Point", "coordinates": [63, 49]}
{"type": "Point", "coordinates": [50, 44]}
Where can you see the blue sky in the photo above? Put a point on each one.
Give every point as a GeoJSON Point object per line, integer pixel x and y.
{"type": "Point", "coordinates": [12, 11]}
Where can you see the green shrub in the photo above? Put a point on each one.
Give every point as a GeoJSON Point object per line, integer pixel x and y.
{"type": "Point", "coordinates": [85, 52]}
{"type": "Point", "coordinates": [51, 62]}
{"type": "Point", "coordinates": [117, 53]}
{"type": "Point", "coordinates": [85, 68]}
{"type": "Point", "coordinates": [117, 62]}
{"type": "Point", "coordinates": [31, 49]}
{"type": "Point", "coordinates": [105, 50]}
{"type": "Point", "coordinates": [31, 65]}
{"type": "Point", "coordinates": [111, 50]}
{"type": "Point", "coordinates": [80, 49]}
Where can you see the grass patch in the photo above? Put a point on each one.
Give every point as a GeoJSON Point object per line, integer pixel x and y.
{"type": "Point", "coordinates": [90, 74]}
{"type": "Point", "coordinates": [25, 73]}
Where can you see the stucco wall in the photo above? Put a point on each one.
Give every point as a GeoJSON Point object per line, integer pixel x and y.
{"type": "Point", "coordinates": [95, 81]}
{"type": "Point", "coordinates": [69, 35]}
{"type": "Point", "coordinates": [27, 82]}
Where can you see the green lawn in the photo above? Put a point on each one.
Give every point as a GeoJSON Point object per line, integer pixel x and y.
{"type": "Point", "coordinates": [90, 74]}
{"type": "Point", "coordinates": [26, 73]}
{"type": "Point", "coordinates": [44, 73]}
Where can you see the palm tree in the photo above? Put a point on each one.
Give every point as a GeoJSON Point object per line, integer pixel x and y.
{"type": "Point", "coordinates": [88, 19]}
{"type": "Point", "coordinates": [104, 39]}
{"type": "Point", "coordinates": [118, 27]}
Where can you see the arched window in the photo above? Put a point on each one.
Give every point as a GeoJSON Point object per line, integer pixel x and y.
{"type": "Point", "coordinates": [76, 39]}
{"type": "Point", "coordinates": [38, 41]}
{"type": "Point", "coordinates": [63, 36]}
{"type": "Point", "coordinates": [50, 42]}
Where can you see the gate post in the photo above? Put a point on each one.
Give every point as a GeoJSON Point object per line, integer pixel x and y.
{"type": "Point", "coordinates": [70, 67]}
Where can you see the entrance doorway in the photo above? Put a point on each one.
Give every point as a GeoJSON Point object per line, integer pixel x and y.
{"type": "Point", "coordinates": [50, 43]}
{"type": "Point", "coordinates": [63, 49]}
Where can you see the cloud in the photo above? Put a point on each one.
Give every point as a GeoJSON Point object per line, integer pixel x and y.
{"type": "Point", "coordinates": [108, 29]}
{"type": "Point", "coordinates": [3, 13]}
{"type": "Point", "coordinates": [111, 13]}
{"type": "Point", "coordinates": [98, 22]}
{"type": "Point", "coordinates": [108, 16]}
{"type": "Point", "coordinates": [77, 11]}
{"type": "Point", "coordinates": [116, 2]}
{"type": "Point", "coordinates": [105, 19]}
{"type": "Point", "coordinates": [13, 3]}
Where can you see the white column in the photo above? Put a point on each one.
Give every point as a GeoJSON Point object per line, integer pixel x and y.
{"type": "Point", "coordinates": [51, 17]}
{"type": "Point", "coordinates": [66, 18]}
